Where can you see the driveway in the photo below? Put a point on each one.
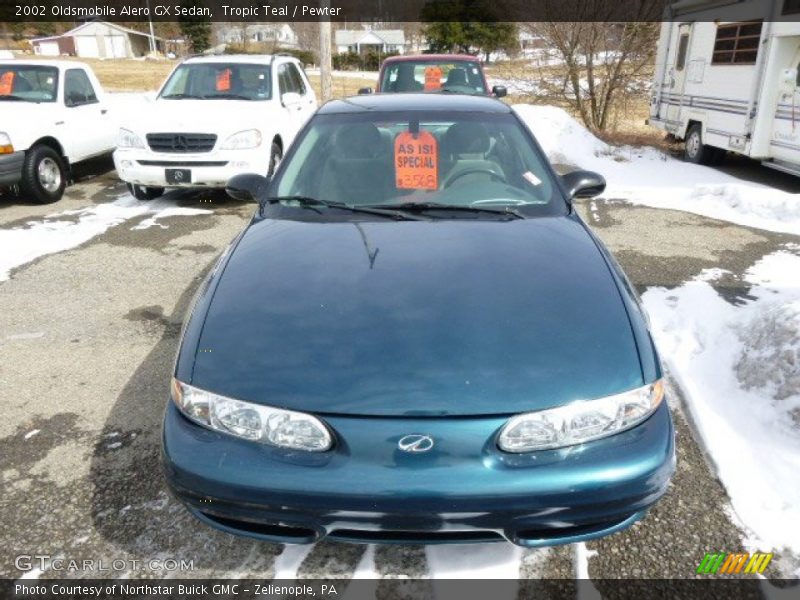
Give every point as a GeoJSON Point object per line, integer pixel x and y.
{"type": "Point", "coordinates": [88, 335]}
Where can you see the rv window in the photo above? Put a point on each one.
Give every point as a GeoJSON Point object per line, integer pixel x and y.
{"type": "Point", "coordinates": [682, 47]}
{"type": "Point", "coordinates": [737, 43]}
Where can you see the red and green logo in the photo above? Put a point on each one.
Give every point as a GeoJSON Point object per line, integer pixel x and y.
{"type": "Point", "coordinates": [730, 564]}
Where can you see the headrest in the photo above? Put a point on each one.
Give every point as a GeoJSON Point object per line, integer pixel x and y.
{"type": "Point", "coordinates": [457, 76]}
{"type": "Point", "coordinates": [362, 140]}
{"type": "Point", "coordinates": [467, 138]}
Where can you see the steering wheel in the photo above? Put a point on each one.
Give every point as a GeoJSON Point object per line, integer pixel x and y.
{"type": "Point", "coordinates": [475, 171]}
{"type": "Point", "coordinates": [512, 201]}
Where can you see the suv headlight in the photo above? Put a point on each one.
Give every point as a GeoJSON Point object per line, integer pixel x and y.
{"type": "Point", "coordinates": [255, 422]}
{"type": "Point", "coordinates": [242, 140]}
{"type": "Point", "coordinates": [580, 421]}
{"type": "Point", "coordinates": [127, 139]}
{"type": "Point", "coordinates": [6, 147]}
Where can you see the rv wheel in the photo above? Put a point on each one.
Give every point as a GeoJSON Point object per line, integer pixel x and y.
{"type": "Point", "coordinates": [694, 150]}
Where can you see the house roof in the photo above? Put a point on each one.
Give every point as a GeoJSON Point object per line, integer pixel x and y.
{"type": "Point", "coordinates": [351, 37]}
{"type": "Point", "coordinates": [77, 29]}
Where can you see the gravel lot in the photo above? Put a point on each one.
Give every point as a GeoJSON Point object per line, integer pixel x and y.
{"type": "Point", "coordinates": [88, 337]}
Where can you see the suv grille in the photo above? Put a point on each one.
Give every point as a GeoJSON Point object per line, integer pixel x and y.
{"type": "Point", "coordinates": [181, 142]}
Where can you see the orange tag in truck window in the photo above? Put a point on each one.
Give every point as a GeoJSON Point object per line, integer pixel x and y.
{"type": "Point", "coordinates": [416, 161]}
{"type": "Point", "coordinates": [433, 78]}
{"type": "Point", "coordinates": [6, 83]}
{"type": "Point", "coordinates": [224, 81]}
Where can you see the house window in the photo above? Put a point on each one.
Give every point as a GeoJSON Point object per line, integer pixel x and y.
{"type": "Point", "coordinates": [737, 43]}
{"type": "Point", "coordinates": [683, 45]}
{"type": "Point", "coordinates": [791, 7]}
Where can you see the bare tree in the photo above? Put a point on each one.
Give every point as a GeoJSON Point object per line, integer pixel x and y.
{"type": "Point", "coordinates": [600, 63]}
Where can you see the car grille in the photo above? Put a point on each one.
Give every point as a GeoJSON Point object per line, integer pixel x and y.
{"type": "Point", "coordinates": [181, 142]}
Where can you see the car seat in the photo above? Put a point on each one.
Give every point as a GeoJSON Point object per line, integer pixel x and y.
{"type": "Point", "coordinates": [456, 77]}
{"type": "Point", "coordinates": [360, 172]}
{"type": "Point", "coordinates": [465, 148]}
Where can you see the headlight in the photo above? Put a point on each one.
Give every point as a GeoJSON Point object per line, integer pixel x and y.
{"type": "Point", "coordinates": [250, 138]}
{"type": "Point", "coordinates": [5, 143]}
{"type": "Point", "coordinates": [127, 139]}
{"type": "Point", "coordinates": [276, 426]}
{"type": "Point", "coordinates": [580, 421]}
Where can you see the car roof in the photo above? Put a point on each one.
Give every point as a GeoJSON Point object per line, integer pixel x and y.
{"type": "Point", "coordinates": [259, 59]}
{"type": "Point", "coordinates": [59, 64]}
{"type": "Point", "coordinates": [432, 57]}
{"type": "Point", "coordinates": [421, 101]}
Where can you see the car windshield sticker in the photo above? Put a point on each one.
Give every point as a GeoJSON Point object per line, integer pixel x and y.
{"type": "Point", "coordinates": [416, 161]}
{"type": "Point", "coordinates": [224, 80]}
{"type": "Point", "coordinates": [6, 83]}
{"type": "Point", "coordinates": [433, 78]}
{"type": "Point", "coordinates": [531, 178]}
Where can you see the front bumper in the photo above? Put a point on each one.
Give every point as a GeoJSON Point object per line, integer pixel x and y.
{"type": "Point", "coordinates": [11, 168]}
{"type": "Point", "coordinates": [209, 169]}
{"type": "Point", "coordinates": [464, 490]}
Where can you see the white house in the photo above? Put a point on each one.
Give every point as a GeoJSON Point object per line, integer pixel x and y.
{"type": "Point", "coordinates": [362, 41]}
{"type": "Point", "coordinates": [280, 34]}
{"type": "Point", "coordinates": [97, 39]}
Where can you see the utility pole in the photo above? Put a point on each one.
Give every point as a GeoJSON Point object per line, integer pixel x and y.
{"type": "Point", "coordinates": [325, 60]}
{"type": "Point", "coordinates": [153, 46]}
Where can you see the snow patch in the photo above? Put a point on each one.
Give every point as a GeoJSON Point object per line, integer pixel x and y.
{"type": "Point", "coordinates": [649, 177]}
{"type": "Point", "coordinates": [71, 228]}
{"type": "Point", "coordinates": [474, 561]}
{"type": "Point", "coordinates": [739, 368]}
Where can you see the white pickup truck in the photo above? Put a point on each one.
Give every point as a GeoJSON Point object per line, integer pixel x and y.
{"type": "Point", "coordinates": [214, 117]}
{"type": "Point", "coordinates": [54, 114]}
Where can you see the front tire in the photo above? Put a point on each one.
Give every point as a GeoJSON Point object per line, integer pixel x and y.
{"type": "Point", "coordinates": [44, 176]}
{"type": "Point", "coordinates": [275, 156]}
{"type": "Point", "coordinates": [141, 192]}
{"type": "Point", "coordinates": [695, 151]}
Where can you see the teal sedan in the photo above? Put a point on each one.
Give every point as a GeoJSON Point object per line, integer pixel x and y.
{"type": "Point", "coordinates": [417, 340]}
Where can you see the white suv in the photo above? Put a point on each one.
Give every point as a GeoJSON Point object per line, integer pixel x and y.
{"type": "Point", "coordinates": [215, 117]}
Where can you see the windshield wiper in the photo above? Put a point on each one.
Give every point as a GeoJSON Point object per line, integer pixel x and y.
{"type": "Point", "coordinates": [225, 97]}
{"type": "Point", "coordinates": [424, 206]}
{"type": "Point", "coordinates": [182, 96]}
{"type": "Point", "coordinates": [309, 202]}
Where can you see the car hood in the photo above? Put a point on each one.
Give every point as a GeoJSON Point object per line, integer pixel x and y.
{"type": "Point", "coordinates": [417, 318]}
{"type": "Point", "coordinates": [194, 116]}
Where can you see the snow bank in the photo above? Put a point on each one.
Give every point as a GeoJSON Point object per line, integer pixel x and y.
{"type": "Point", "coordinates": [71, 228]}
{"type": "Point", "coordinates": [740, 370]}
{"type": "Point", "coordinates": [650, 177]}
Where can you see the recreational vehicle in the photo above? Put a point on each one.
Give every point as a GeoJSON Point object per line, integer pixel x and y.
{"type": "Point", "coordinates": [731, 85]}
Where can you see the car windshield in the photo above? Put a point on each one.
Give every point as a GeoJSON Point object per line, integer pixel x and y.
{"type": "Point", "coordinates": [28, 83]}
{"type": "Point", "coordinates": [451, 159]}
{"type": "Point", "coordinates": [219, 81]}
{"type": "Point", "coordinates": [462, 77]}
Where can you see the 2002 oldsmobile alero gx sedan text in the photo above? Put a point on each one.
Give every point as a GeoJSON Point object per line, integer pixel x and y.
{"type": "Point", "coordinates": [417, 339]}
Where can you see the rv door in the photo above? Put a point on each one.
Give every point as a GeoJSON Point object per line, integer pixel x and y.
{"type": "Point", "coordinates": [785, 141]}
{"type": "Point", "coordinates": [677, 80]}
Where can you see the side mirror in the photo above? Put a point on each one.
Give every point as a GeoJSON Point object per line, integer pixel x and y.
{"type": "Point", "coordinates": [365, 90]}
{"type": "Point", "coordinates": [290, 98]}
{"type": "Point", "coordinates": [499, 91]}
{"type": "Point", "coordinates": [246, 187]}
{"type": "Point", "coordinates": [583, 184]}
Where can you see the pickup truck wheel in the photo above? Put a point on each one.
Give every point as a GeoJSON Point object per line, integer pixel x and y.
{"type": "Point", "coordinates": [275, 156]}
{"type": "Point", "coordinates": [43, 175]}
{"type": "Point", "coordinates": [141, 192]}
{"type": "Point", "coordinates": [695, 151]}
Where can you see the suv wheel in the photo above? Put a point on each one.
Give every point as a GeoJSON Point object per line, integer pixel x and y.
{"type": "Point", "coordinates": [44, 176]}
{"type": "Point", "coordinates": [141, 192]}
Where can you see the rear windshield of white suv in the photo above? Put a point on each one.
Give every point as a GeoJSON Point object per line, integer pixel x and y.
{"type": "Point", "coordinates": [219, 81]}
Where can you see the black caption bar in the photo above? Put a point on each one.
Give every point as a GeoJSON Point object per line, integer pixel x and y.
{"type": "Point", "coordinates": [394, 10]}
{"type": "Point", "coordinates": [365, 589]}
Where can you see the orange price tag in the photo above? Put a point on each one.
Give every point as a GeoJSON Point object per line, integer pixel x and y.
{"type": "Point", "coordinates": [6, 83]}
{"type": "Point", "coordinates": [433, 78]}
{"type": "Point", "coordinates": [224, 81]}
{"type": "Point", "coordinates": [416, 160]}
